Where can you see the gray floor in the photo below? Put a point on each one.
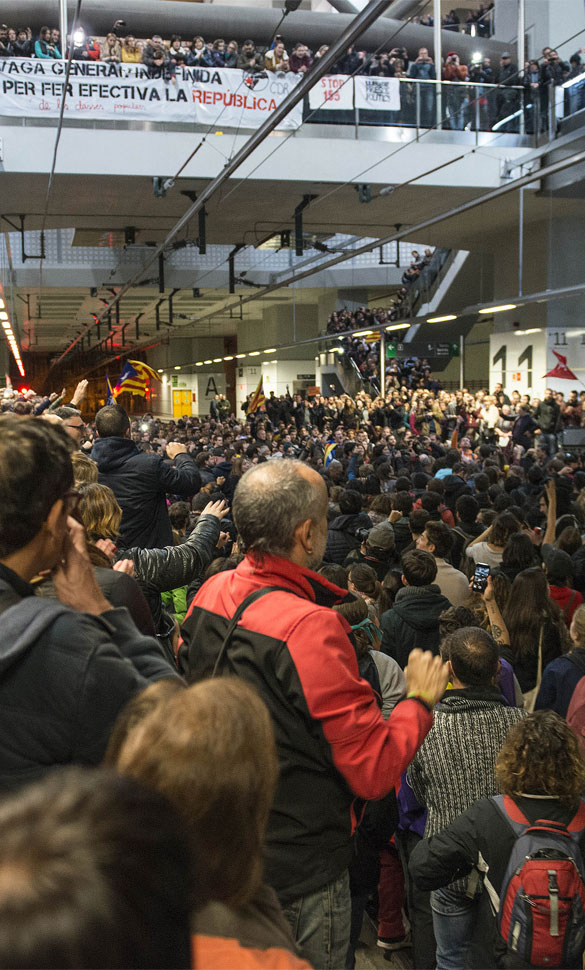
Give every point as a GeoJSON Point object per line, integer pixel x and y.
{"type": "Point", "coordinates": [371, 957]}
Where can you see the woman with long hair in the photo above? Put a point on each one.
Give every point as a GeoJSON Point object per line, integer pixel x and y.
{"type": "Point", "coordinates": [519, 553]}
{"type": "Point", "coordinates": [157, 570]}
{"type": "Point", "coordinates": [537, 634]}
{"type": "Point", "coordinates": [541, 774]}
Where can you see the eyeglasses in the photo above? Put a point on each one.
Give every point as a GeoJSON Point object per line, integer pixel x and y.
{"type": "Point", "coordinates": [71, 500]}
{"type": "Point", "coordinates": [78, 427]}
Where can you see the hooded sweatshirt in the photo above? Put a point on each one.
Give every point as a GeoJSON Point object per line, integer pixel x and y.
{"type": "Point", "coordinates": [413, 622]}
{"type": "Point", "coordinates": [64, 677]}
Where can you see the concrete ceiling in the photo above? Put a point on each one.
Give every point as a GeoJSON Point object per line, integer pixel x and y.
{"type": "Point", "coordinates": [248, 215]}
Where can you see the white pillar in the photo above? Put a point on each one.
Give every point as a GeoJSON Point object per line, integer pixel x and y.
{"type": "Point", "coordinates": [438, 56]}
{"type": "Point", "coordinates": [521, 53]}
{"type": "Point", "coordinates": [63, 26]}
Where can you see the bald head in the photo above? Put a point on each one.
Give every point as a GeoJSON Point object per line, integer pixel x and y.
{"type": "Point", "coordinates": [277, 501]}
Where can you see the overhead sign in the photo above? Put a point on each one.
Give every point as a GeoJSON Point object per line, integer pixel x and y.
{"type": "Point", "coordinates": [36, 88]}
{"type": "Point", "coordinates": [377, 93]}
{"type": "Point", "coordinates": [332, 93]}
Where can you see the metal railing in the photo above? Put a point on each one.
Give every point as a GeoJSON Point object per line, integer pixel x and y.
{"type": "Point", "coordinates": [444, 105]}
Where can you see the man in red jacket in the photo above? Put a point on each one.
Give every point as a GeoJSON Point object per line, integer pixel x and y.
{"type": "Point", "coordinates": [270, 621]}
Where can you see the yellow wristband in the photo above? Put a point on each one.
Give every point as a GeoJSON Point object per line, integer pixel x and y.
{"type": "Point", "coordinates": [421, 695]}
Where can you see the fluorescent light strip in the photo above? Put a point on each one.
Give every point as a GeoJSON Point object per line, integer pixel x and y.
{"type": "Point", "coordinates": [522, 333]}
{"type": "Point", "coordinates": [498, 309]}
{"type": "Point", "coordinates": [400, 326]}
{"type": "Point", "coordinates": [254, 353]}
{"type": "Point", "coordinates": [448, 316]}
{"type": "Point", "coordinates": [363, 333]}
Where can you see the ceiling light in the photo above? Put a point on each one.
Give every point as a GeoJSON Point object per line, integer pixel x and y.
{"type": "Point", "coordinates": [498, 309]}
{"type": "Point", "coordinates": [269, 350]}
{"type": "Point", "coordinates": [228, 358]}
{"type": "Point", "coordinates": [2, 304]}
{"type": "Point", "coordinates": [6, 325]}
{"type": "Point", "coordinates": [199, 363]}
{"type": "Point", "coordinates": [448, 316]}
{"type": "Point", "coordinates": [399, 326]}
{"type": "Point", "coordinates": [217, 360]}
{"type": "Point", "coordinates": [208, 361]}
{"type": "Point", "coordinates": [239, 356]}
{"type": "Point", "coordinates": [3, 315]}
{"type": "Point", "coordinates": [254, 353]}
{"type": "Point", "coordinates": [160, 370]}
{"type": "Point", "coordinates": [363, 333]}
{"type": "Point", "coordinates": [340, 350]}
{"type": "Point", "coordinates": [522, 333]}
{"type": "Point", "coordinates": [177, 367]}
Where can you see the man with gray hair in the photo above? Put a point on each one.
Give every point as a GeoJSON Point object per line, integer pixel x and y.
{"type": "Point", "coordinates": [270, 622]}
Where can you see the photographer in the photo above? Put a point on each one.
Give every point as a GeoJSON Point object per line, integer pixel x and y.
{"type": "Point", "coordinates": [457, 96]}
{"type": "Point", "coordinates": [423, 69]}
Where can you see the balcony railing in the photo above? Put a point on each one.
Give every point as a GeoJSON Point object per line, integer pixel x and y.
{"type": "Point", "coordinates": [424, 104]}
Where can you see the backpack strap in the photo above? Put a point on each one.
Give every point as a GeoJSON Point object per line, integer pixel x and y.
{"type": "Point", "coordinates": [578, 660]}
{"type": "Point", "coordinates": [567, 608]}
{"type": "Point", "coordinates": [256, 595]}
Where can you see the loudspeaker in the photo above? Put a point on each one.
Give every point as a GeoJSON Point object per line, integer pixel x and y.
{"type": "Point", "coordinates": [573, 438]}
{"type": "Point", "coordinates": [291, 5]}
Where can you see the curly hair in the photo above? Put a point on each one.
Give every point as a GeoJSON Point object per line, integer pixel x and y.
{"type": "Point", "coordinates": [542, 756]}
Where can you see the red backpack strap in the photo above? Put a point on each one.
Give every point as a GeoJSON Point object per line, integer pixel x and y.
{"type": "Point", "coordinates": [577, 824]}
{"type": "Point", "coordinates": [512, 813]}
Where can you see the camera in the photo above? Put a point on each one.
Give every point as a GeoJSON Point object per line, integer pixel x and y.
{"type": "Point", "coordinates": [362, 534]}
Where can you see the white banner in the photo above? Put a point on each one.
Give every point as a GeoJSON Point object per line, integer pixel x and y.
{"type": "Point", "coordinates": [333, 93]}
{"type": "Point", "coordinates": [232, 98]}
{"type": "Point", "coordinates": [377, 93]}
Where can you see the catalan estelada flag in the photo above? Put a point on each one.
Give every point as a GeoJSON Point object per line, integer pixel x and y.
{"type": "Point", "coordinates": [134, 378]}
{"type": "Point", "coordinates": [111, 397]}
{"type": "Point", "coordinates": [257, 399]}
{"type": "Point", "coordinates": [329, 452]}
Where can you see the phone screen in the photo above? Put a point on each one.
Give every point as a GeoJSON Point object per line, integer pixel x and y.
{"type": "Point", "coordinates": [480, 577]}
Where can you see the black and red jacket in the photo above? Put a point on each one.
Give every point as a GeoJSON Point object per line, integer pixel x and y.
{"type": "Point", "coordinates": [332, 741]}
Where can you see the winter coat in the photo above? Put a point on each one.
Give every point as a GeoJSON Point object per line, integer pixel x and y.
{"type": "Point", "coordinates": [559, 681]}
{"type": "Point", "coordinates": [162, 570]}
{"type": "Point", "coordinates": [332, 741]}
{"type": "Point", "coordinates": [140, 483]}
{"type": "Point", "coordinates": [454, 851]}
{"type": "Point", "coordinates": [548, 417]}
{"type": "Point", "coordinates": [65, 676]}
{"type": "Point", "coordinates": [413, 622]}
{"type": "Point", "coordinates": [341, 536]}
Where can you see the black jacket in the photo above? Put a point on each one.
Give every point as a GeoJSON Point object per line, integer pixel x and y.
{"type": "Point", "coordinates": [64, 677]}
{"type": "Point", "coordinates": [341, 536]}
{"type": "Point", "coordinates": [548, 416]}
{"type": "Point", "coordinates": [453, 853]}
{"type": "Point", "coordinates": [140, 482]}
{"type": "Point", "coordinates": [161, 570]}
{"type": "Point", "coordinates": [413, 622]}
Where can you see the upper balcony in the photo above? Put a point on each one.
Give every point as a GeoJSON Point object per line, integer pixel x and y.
{"type": "Point", "coordinates": [365, 134]}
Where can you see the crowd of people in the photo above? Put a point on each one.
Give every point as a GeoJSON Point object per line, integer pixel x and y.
{"type": "Point", "coordinates": [477, 22]}
{"type": "Point", "coordinates": [519, 89]}
{"type": "Point", "coordinates": [377, 604]}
